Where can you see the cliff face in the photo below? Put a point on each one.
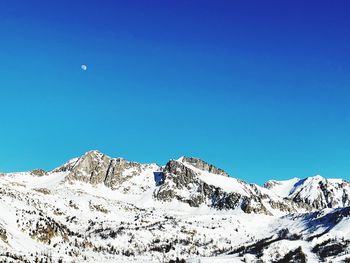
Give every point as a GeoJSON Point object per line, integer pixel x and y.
{"type": "Point", "coordinates": [203, 166]}
{"type": "Point", "coordinates": [186, 185]}
{"type": "Point", "coordinates": [97, 168]}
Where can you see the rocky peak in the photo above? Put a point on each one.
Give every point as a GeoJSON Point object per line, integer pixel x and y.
{"type": "Point", "coordinates": [321, 193]}
{"type": "Point", "coordinates": [38, 172]}
{"type": "Point", "coordinates": [315, 191]}
{"type": "Point", "coordinates": [91, 168]}
{"type": "Point", "coordinates": [202, 165]}
{"type": "Point", "coordinates": [94, 153]}
{"type": "Point", "coordinates": [95, 168]}
{"type": "Point", "coordinates": [197, 182]}
{"type": "Point", "coordinates": [270, 184]}
{"type": "Point", "coordinates": [185, 183]}
{"type": "Point", "coordinates": [68, 166]}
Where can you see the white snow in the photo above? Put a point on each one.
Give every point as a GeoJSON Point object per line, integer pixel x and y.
{"type": "Point", "coordinates": [130, 219]}
{"type": "Point", "coordinates": [284, 188]}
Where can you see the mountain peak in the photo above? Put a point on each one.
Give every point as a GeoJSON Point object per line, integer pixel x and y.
{"type": "Point", "coordinates": [51, 211]}
{"type": "Point", "coordinates": [96, 153]}
{"type": "Point", "coordinates": [316, 177]}
{"type": "Point", "coordinates": [202, 165]}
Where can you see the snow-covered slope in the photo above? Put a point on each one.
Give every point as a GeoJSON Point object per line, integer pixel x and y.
{"type": "Point", "coordinates": [101, 209]}
{"type": "Point", "coordinates": [316, 191]}
{"type": "Point", "coordinates": [282, 188]}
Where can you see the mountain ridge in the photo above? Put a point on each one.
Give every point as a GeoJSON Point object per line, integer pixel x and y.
{"type": "Point", "coordinates": [190, 166]}
{"type": "Point", "coordinates": [99, 208]}
{"type": "Point", "coordinates": [308, 193]}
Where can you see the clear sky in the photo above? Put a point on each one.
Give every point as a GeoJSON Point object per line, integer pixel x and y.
{"type": "Point", "coordinates": [259, 88]}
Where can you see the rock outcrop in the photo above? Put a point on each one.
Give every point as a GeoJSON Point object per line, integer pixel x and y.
{"type": "Point", "coordinates": [202, 165]}
{"type": "Point", "coordinates": [97, 168]}
{"type": "Point", "coordinates": [38, 172]}
{"type": "Point", "coordinates": [184, 184]}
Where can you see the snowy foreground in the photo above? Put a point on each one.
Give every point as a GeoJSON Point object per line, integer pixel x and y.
{"type": "Point", "coordinates": [72, 214]}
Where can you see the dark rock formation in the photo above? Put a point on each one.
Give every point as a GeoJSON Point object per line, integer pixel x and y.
{"type": "Point", "coordinates": [204, 166]}
{"type": "Point", "coordinates": [95, 167]}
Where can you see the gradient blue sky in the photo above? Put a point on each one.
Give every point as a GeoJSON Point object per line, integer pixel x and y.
{"type": "Point", "coordinates": [259, 88]}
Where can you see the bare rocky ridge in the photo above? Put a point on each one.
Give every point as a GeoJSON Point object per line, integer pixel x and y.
{"type": "Point", "coordinates": [202, 165]}
{"type": "Point", "coordinates": [97, 168]}
{"type": "Point", "coordinates": [183, 183]}
{"type": "Point", "coordinates": [38, 172]}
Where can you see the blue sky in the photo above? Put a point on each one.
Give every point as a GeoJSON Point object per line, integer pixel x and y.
{"type": "Point", "coordinates": [259, 88]}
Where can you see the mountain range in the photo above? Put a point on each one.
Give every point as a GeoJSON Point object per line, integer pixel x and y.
{"type": "Point", "coordinates": [98, 208]}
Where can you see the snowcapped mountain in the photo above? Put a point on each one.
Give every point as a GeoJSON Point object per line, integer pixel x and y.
{"type": "Point", "coordinates": [316, 191]}
{"type": "Point", "coordinates": [98, 208]}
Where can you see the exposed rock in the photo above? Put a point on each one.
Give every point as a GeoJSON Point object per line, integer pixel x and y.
{"type": "Point", "coordinates": [313, 192]}
{"type": "Point", "coordinates": [177, 179]}
{"type": "Point", "coordinates": [204, 166]}
{"type": "Point", "coordinates": [96, 168]}
{"type": "Point", "coordinates": [90, 168]}
{"type": "Point", "coordinates": [320, 193]}
{"type": "Point", "coordinates": [76, 222]}
{"type": "Point", "coordinates": [254, 205]}
{"type": "Point", "coordinates": [38, 172]}
{"type": "Point", "coordinates": [3, 234]}
{"type": "Point", "coordinates": [294, 256]}
{"type": "Point", "coordinates": [184, 184]}
{"type": "Point", "coordinates": [222, 200]}
{"type": "Point", "coordinates": [42, 190]}
{"type": "Point", "coordinates": [330, 248]}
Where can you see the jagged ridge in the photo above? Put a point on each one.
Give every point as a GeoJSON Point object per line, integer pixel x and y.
{"type": "Point", "coordinates": [95, 208]}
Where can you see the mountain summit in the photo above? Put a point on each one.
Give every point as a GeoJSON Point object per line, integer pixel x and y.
{"type": "Point", "coordinates": [99, 208]}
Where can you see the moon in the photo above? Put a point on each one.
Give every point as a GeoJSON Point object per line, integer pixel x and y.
{"type": "Point", "coordinates": [84, 67]}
